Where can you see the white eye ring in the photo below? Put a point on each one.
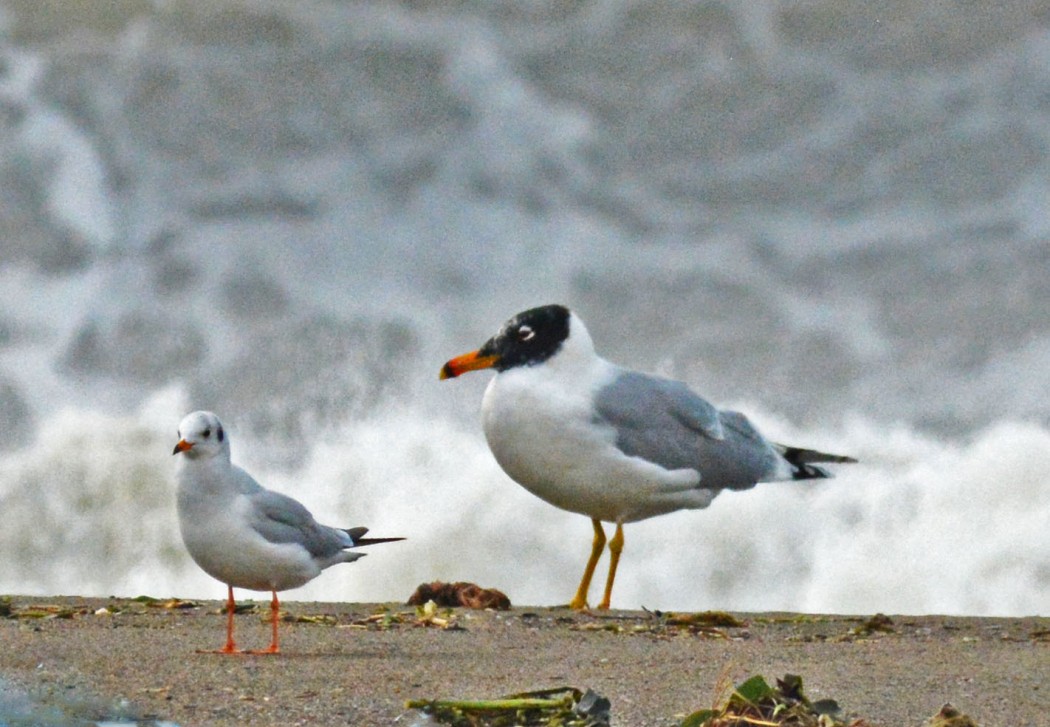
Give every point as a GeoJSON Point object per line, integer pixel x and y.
{"type": "Point", "coordinates": [525, 333]}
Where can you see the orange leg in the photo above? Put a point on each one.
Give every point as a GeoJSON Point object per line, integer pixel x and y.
{"type": "Point", "coordinates": [615, 548]}
{"type": "Point", "coordinates": [231, 606]}
{"type": "Point", "coordinates": [275, 614]}
{"type": "Point", "coordinates": [230, 647]}
{"type": "Point", "coordinates": [579, 601]}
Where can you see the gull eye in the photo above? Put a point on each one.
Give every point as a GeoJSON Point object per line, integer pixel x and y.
{"type": "Point", "coordinates": [207, 432]}
{"type": "Point", "coordinates": [525, 333]}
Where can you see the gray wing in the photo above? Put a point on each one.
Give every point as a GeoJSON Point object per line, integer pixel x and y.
{"type": "Point", "coordinates": [666, 423]}
{"type": "Point", "coordinates": [281, 519]}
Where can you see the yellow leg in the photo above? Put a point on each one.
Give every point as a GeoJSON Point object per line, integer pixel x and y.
{"type": "Point", "coordinates": [579, 601]}
{"type": "Point", "coordinates": [615, 548]}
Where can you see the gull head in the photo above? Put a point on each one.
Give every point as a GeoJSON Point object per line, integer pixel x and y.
{"type": "Point", "coordinates": [201, 435]}
{"type": "Point", "coordinates": [530, 338]}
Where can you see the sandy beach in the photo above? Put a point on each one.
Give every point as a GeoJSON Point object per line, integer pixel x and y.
{"type": "Point", "coordinates": [357, 664]}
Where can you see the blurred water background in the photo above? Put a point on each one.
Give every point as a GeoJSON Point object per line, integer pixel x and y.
{"type": "Point", "coordinates": [831, 215]}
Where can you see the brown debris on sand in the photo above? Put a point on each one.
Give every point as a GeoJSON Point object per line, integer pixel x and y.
{"type": "Point", "coordinates": [461, 593]}
{"type": "Point", "coordinates": [949, 716]}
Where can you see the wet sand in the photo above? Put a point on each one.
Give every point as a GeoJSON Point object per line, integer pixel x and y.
{"type": "Point", "coordinates": [343, 664]}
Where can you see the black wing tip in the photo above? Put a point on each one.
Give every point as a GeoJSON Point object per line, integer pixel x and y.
{"type": "Point", "coordinates": [358, 536]}
{"type": "Point", "coordinates": [802, 461]}
{"type": "Point", "coordinates": [376, 541]}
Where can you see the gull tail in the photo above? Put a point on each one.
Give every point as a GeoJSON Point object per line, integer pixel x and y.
{"type": "Point", "coordinates": [803, 461]}
{"type": "Point", "coordinates": [357, 535]}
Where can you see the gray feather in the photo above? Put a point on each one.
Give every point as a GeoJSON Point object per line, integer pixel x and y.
{"type": "Point", "coordinates": [666, 423]}
{"type": "Point", "coordinates": [280, 519]}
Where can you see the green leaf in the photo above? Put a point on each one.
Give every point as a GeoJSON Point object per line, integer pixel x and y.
{"type": "Point", "coordinates": [791, 687]}
{"type": "Point", "coordinates": [754, 690]}
{"type": "Point", "coordinates": [826, 706]}
{"type": "Point", "coordinates": [700, 718]}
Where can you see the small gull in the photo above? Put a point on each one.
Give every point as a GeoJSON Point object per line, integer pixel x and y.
{"type": "Point", "coordinates": [616, 445]}
{"type": "Point", "coordinates": [244, 535]}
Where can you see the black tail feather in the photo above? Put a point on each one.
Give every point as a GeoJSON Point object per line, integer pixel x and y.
{"type": "Point", "coordinates": [375, 541]}
{"type": "Point", "coordinates": [801, 460]}
{"type": "Point", "coordinates": [357, 535]}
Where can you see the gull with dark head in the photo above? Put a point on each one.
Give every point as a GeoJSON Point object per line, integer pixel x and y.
{"type": "Point", "coordinates": [615, 445]}
{"type": "Point", "coordinates": [244, 535]}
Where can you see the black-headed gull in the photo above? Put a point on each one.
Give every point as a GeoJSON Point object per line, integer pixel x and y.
{"type": "Point", "coordinates": [244, 535]}
{"type": "Point", "coordinates": [613, 444]}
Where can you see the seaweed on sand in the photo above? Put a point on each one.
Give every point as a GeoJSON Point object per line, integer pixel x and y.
{"type": "Point", "coordinates": [754, 702]}
{"type": "Point", "coordinates": [560, 707]}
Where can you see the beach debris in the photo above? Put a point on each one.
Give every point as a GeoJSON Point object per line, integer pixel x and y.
{"type": "Point", "coordinates": [949, 716]}
{"type": "Point", "coordinates": [558, 707]}
{"type": "Point", "coordinates": [461, 593]}
{"type": "Point", "coordinates": [610, 626]}
{"type": "Point", "coordinates": [324, 619]}
{"type": "Point", "coordinates": [702, 619]}
{"type": "Point", "coordinates": [173, 603]}
{"type": "Point", "coordinates": [702, 623]}
{"type": "Point", "coordinates": [755, 702]}
{"type": "Point", "coordinates": [427, 615]}
{"type": "Point", "coordinates": [169, 603]}
{"type": "Point", "coordinates": [45, 611]}
{"type": "Point", "coordinates": [710, 624]}
{"type": "Point", "coordinates": [879, 623]}
{"type": "Point", "coordinates": [382, 620]}
{"type": "Point", "coordinates": [1037, 635]}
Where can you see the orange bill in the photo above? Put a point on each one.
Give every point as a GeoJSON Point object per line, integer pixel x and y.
{"type": "Point", "coordinates": [467, 362]}
{"type": "Point", "coordinates": [182, 446]}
